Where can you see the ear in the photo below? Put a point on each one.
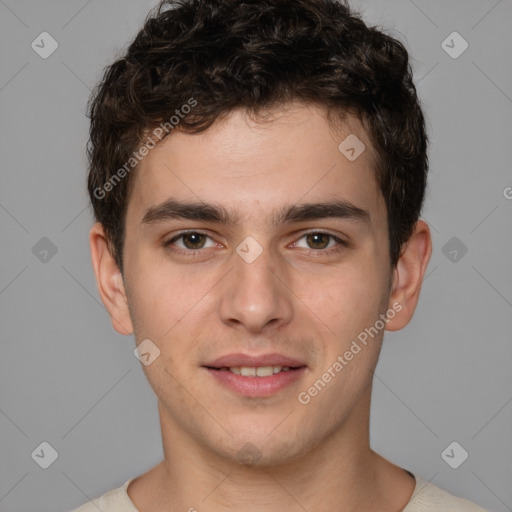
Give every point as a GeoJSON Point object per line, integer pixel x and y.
{"type": "Point", "coordinates": [408, 276]}
{"type": "Point", "coordinates": [110, 281]}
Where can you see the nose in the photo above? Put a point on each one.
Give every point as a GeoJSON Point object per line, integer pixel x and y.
{"type": "Point", "coordinates": [256, 295]}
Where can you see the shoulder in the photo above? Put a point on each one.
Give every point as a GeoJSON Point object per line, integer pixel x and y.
{"type": "Point", "coordinates": [116, 500]}
{"type": "Point", "coordinates": [428, 497]}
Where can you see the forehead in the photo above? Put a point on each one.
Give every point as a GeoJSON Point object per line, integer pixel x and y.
{"type": "Point", "coordinates": [254, 166]}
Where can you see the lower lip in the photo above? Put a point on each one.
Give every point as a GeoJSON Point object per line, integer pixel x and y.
{"type": "Point", "coordinates": [257, 386]}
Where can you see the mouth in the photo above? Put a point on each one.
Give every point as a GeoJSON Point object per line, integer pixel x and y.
{"type": "Point", "coordinates": [255, 371]}
{"type": "Point", "coordinates": [260, 376]}
{"type": "Point", "coordinates": [241, 360]}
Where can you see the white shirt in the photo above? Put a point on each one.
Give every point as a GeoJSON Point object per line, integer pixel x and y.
{"type": "Point", "coordinates": [426, 498]}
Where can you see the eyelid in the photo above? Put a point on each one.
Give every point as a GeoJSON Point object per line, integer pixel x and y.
{"type": "Point", "coordinates": [325, 231]}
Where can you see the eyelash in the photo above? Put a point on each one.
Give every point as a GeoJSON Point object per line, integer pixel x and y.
{"type": "Point", "coordinates": [196, 252]}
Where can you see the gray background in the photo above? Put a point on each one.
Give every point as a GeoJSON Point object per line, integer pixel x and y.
{"type": "Point", "coordinates": [66, 377]}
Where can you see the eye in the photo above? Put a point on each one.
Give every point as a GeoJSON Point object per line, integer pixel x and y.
{"type": "Point", "coordinates": [318, 241]}
{"type": "Point", "coordinates": [190, 241]}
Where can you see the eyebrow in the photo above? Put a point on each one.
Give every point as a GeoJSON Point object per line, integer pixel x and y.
{"type": "Point", "coordinates": [209, 212]}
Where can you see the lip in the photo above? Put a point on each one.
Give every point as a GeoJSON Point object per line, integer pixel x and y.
{"type": "Point", "coordinates": [240, 359]}
{"type": "Point", "coordinates": [257, 387]}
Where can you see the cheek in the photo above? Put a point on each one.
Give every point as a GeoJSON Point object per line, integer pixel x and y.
{"type": "Point", "coordinates": [345, 300]}
{"type": "Point", "coordinates": [156, 292]}
{"type": "Point", "coordinates": [169, 305]}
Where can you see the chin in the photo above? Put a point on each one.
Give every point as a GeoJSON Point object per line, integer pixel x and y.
{"type": "Point", "coordinates": [261, 447]}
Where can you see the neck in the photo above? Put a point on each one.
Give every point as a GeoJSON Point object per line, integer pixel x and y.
{"type": "Point", "coordinates": [340, 472]}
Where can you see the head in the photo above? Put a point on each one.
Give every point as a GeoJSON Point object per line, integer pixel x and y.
{"type": "Point", "coordinates": [239, 112]}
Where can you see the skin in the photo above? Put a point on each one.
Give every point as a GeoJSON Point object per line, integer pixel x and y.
{"type": "Point", "coordinates": [293, 299]}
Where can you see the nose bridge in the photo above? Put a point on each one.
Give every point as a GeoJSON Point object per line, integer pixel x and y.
{"type": "Point", "coordinates": [254, 294]}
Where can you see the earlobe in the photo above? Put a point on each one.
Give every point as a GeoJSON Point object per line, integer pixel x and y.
{"type": "Point", "coordinates": [408, 275]}
{"type": "Point", "coordinates": [109, 281]}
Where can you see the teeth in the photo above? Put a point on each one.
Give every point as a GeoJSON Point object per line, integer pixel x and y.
{"type": "Point", "coordinates": [261, 371]}
{"type": "Point", "coordinates": [265, 371]}
{"type": "Point", "coordinates": [247, 372]}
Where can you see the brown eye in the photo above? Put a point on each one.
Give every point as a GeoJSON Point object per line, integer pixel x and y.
{"type": "Point", "coordinates": [190, 241]}
{"type": "Point", "coordinates": [318, 240]}
{"type": "Point", "coordinates": [320, 243]}
{"type": "Point", "coordinates": [193, 240]}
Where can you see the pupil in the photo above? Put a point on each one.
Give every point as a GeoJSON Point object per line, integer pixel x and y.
{"type": "Point", "coordinates": [190, 236]}
{"type": "Point", "coordinates": [316, 236]}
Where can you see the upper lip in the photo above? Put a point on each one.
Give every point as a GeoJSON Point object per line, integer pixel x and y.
{"type": "Point", "coordinates": [237, 360]}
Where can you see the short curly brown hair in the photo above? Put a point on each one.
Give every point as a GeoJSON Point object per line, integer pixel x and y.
{"type": "Point", "coordinates": [256, 54]}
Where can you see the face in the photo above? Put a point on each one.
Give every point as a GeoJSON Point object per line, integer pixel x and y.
{"type": "Point", "coordinates": [263, 271]}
